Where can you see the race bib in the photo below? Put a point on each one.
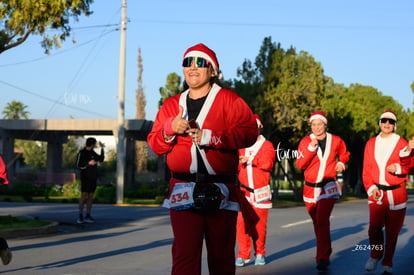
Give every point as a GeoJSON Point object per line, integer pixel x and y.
{"type": "Point", "coordinates": [181, 197]}
{"type": "Point", "coordinates": [331, 190]}
{"type": "Point", "coordinates": [262, 194]}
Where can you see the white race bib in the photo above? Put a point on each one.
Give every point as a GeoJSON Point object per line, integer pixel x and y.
{"type": "Point", "coordinates": [331, 190]}
{"type": "Point", "coordinates": [262, 194]}
{"type": "Point", "coordinates": [181, 197]}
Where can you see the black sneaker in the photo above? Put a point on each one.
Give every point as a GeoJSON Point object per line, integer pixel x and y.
{"type": "Point", "coordinates": [89, 219]}
{"type": "Point", "coordinates": [322, 265]}
{"type": "Point", "coordinates": [5, 255]}
{"type": "Point", "coordinates": [80, 219]}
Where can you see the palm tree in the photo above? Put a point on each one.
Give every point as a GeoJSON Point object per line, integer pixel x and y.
{"type": "Point", "coordinates": [15, 110]}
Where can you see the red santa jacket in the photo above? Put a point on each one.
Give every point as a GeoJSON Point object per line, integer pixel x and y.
{"type": "Point", "coordinates": [226, 120]}
{"type": "Point", "coordinates": [318, 168]}
{"type": "Point", "coordinates": [255, 174]}
{"type": "Point", "coordinates": [374, 171]}
{"type": "Point", "coordinates": [3, 172]}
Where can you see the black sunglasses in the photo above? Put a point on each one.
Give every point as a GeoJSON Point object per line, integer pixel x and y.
{"type": "Point", "coordinates": [390, 120]}
{"type": "Point", "coordinates": [199, 62]}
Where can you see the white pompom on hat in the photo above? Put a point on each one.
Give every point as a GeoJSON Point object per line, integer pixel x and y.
{"type": "Point", "coordinates": [201, 50]}
{"type": "Point", "coordinates": [320, 115]}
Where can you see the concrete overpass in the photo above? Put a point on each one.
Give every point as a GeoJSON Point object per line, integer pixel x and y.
{"type": "Point", "coordinates": [56, 131]}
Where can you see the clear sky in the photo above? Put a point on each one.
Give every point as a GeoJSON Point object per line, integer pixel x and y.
{"type": "Point", "coordinates": [370, 42]}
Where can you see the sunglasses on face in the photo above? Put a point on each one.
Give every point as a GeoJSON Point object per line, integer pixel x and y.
{"type": "Point", "coordinates": [199, 62]}
{"type": "Point", "coordinates": [390, 120]}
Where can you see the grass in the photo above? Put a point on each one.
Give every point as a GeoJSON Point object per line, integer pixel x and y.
{"type": "Point", "coordinates": [10, 222]}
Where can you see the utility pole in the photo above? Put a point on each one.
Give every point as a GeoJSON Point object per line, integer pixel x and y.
{"type": "Point", "coordinates": [120, 155]}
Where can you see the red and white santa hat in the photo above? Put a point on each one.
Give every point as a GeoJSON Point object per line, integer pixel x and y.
{"type": "Point", "coordinates": [259, 122]}
{"type": "Point", "coordinates": [389, 114]}
{"type": "Point", "coordinates": [319, 114]}
{"type": "Point", "coordinates": [201, 50]}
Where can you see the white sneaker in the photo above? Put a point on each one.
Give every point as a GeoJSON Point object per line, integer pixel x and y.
{"type": "Point", "coordinates": [386, 269]}
{"type": "Point", "coordinates": [241, 262]}
{"type": "Point", "coordinates": [260, 260]}
{"type": "Point", "coordinates": [371, 264]}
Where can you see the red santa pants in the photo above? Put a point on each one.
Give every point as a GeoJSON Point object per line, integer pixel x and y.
{"type": "Point", "coordinates": [380, 216]}
{"type": "Point", "coordinates": [190, 229]}
{"type": "Point", "coordinates": [243, 239]}
{"type": "Point", "coordinates": [320, 213]}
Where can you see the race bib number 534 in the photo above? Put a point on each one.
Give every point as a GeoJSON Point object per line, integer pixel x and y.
{"type": "Point", "coordinates": [181, 197]}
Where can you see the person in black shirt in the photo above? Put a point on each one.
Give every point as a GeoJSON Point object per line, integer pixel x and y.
{"type": "Point", "coordinates": [87, 161]}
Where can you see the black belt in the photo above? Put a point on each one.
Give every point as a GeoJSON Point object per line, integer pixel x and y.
{"type": "Point", "coordinates": [387, 188]}
{"type": "Point", "coordinates": [319, 184]}
{"type": "Point", "coordinates": [205, 178]}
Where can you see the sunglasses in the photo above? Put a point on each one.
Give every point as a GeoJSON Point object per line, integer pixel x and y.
{"type": "Point", "coordinates": [199, 62]}
{"type": "Point", "coordinates": [390, 120]}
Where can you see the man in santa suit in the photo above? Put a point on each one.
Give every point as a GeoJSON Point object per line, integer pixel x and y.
{"type": "Point", "coordinates": [201, 131]}
{"type": "Point", "coordinates": [255, 165]}
{"type": "Point", "coordinates": [318, 155]}
{"type": "Point", "coordinates": [384, 179]}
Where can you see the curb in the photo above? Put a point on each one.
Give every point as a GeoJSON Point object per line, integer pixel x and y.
{"type": "Point", "coordinates": [52, 227]}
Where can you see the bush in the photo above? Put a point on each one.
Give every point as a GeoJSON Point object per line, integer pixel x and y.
{"type": "Point", "coordinates": [72, 189]}
{"type": "Point", "coordinates": [107, 193]}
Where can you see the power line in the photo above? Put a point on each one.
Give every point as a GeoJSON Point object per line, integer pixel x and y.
{"type": "Point", "coordinates": [62, 51]}
{"type": "Point", "coordinates": [278, 25]}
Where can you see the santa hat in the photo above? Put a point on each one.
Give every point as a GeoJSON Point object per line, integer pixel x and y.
{"type": "Point", "coordinates": [391, 115]}
{"type": "Point", "coordinates": [320, 115]}
{"type": "Point", "coordinates": [259, 122]}
{"type": "Point", "coordinates": [201, 50]}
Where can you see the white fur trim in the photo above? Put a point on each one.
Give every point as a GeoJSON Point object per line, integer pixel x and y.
{"type": "Point", "coordinates": [205, 137]}
{"type": "Point", "coordinates": [203, 55]}
{"type": "Point", "coordinates": [320, 117]}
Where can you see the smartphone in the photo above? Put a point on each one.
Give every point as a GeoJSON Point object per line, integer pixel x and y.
{"type": "Point", "coordinates": [192, 124]}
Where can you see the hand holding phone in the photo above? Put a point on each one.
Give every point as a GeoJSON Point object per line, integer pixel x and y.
{"type": "Point", "coordinates": [192, 124]}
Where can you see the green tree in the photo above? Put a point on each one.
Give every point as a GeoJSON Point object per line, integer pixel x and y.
{"type": "Point", "coordinates": [141, 150]}
{"type": "Point", "coordinates": [15, 110]}
{"type": "Point", "coordinates": [172, 87]}
{"type": "Point", "coordinates": [22, 18]}
{"type": "Point", "coordinates": [69, 153]}
{"type": "Point", "coordinates": [34, 152]}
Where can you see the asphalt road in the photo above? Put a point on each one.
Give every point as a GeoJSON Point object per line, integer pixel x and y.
{"type": "Point", "coordinates": [137, 240]}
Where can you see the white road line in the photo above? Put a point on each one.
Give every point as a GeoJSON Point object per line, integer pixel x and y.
{"type": "Point", "coordinates": [296, 223]}
{"type": "Point", "coordinates": [299, 223]}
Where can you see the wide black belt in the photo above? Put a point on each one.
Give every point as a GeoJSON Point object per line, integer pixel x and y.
{"type": "Point", "coordinates": [387, 188]}
{"type": "Point", "coordinates": [205, 178]}
{"type": "Point", "coordinates": [319, 184]}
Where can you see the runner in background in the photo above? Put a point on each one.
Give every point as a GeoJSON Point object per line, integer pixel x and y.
{"type": "Point", "coordinates": [255, 165]}
{"type": "Point", "coordinates": [322, 156]}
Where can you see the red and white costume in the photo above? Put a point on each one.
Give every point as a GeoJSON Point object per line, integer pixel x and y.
{"type": "Point", "coordinates": [255, 174]}
{"type": "Point", "coordinates": [228, 124]}
{"type": "Point", "coordinates": [318, 168]}
{"type": "Point", "coordinates": [389, 210]}
{"type": "Point", "coordinates": [3, 172]}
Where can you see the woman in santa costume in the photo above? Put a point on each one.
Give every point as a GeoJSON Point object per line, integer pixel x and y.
{"type": "Point", "coordinates": [255, 165]}
{"type": "Point", "coordinates": [318, 158]}
{"type": "Point", "coordinates": [201, 131]}
{"type": "Point", "coordinates": [384, 179]}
